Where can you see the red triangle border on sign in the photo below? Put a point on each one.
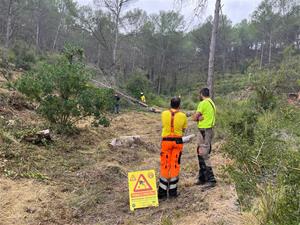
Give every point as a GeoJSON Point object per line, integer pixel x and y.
{"type": "Point", "coordinates": [147, 189]}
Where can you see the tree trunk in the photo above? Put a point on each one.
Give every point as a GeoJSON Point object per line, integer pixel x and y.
{"type": "Point", "coordinates": [37, 34]}
{"type": "Point", "coordinates": [159, 84]}
{"type": "Point", "coordinates": [212, 50]}
{"type": "Point", "coordinates": [270, 49]}
{"type": "Point", "coordinates": [115, 46]}
{"type": "Point", "coordinates": [224, 62]}
{"type": "Point", "coordinates": [99, 56]}
{"type": "Point", "coordinates": [8, 31]}
{"type": "Point", "coordinates": [116, 37]}
{"type": "Point", "coordinates": [261, 55]}
{"type": "Point", "coordinates": [256, 51]}
{"type": "Point", "coordinates": [56, 35]}
{"type": "Point", "coordinates": [160, 73]}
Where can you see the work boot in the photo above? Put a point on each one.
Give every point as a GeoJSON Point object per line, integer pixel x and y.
{"type": "Point", "coordinates": [202, 171]}
{"type": "Point", "coordinates": [211, 181]}
{"type": "Point", "coordinates": [162, 194]}
{"type": "Point", "coordinates": [202, 177]}
{"type": "Point", "coordinates": [173, 193]}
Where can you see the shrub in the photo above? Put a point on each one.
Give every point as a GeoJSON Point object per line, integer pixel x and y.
{"type": "Point", "coordinates": [289, 72]}
{"type": "Point", "coordinates": [24, 57]}
{"type": "Point", "coordinates": [267, 169]}
{"type": "Point", "coordinates": [138, 83]}
{"type": "Point", "coordinates": [188, 103]}
{"type": "Point", "coordinates": [156, 100]}
{"type": "Point", "coordinates": [63, 91]}
{"type": "Point", "coordinates": [265, 85]}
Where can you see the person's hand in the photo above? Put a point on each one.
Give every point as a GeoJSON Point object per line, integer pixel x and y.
{"type": "Point", "coordinates": [197, 117]}
{"type": "Point", "coordinates": [200, 151]}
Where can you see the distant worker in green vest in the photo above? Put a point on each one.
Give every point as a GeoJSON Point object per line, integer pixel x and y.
{"type": "Point", "coordinates": [143, 98]}
{"type": "Point", "coordinates": [205, 118]}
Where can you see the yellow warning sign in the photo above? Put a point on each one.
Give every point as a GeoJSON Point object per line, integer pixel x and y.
{"type": "Point", "coordinates": [142, 189]}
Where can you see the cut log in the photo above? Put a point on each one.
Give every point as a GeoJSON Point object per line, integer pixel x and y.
{"type": "Point", "coordinates": [154, 110]}
{"type": "Point", "coordinates": [131, 141]}
{"type": "Point", "coordinates": [39, 137]}
{"type": "Point", "coordinates": [125, 141]}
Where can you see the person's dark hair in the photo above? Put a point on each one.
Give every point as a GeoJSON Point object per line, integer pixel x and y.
{"type": "Point", "coordinates": [204, 92]}
{"type": "Point", "coordinates": [175, 102]}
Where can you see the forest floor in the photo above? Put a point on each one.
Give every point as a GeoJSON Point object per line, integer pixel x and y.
{"type": "Point", "coordinates": [79, 179]}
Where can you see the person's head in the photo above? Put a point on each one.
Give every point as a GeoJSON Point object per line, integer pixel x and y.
{"type": "Point", "coordinates": [204, 93]}
{"type": "Point", "coordinates": [175, 103]}
{"type": "Point", "coordinates": [142, 93]}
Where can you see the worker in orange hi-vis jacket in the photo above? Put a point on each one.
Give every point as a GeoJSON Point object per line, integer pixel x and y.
{"type": "Point", "coordinates": [174, 124]}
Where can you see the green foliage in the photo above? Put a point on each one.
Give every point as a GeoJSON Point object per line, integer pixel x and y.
{"type": "Point", "coordinates": [230, 83]}
{"type": "Point", "coordinates": [266, 160]}
{"type": "Point", "coordinates": [189, 104]}
{"type": "Point", "coordinates": [265, 91]}
{"type": "Point", "coordinates": [138, 83]}
{"type": "Point", "coordinates": [156, 100]}
{"type": "Point", "coordinates": [63, 91]}
{"type": "Point", "coordinates": [244, 125]}
{"type": "Point", "coordinates": [23, 56]}
{"type": "Point", "coordinates": [268, 84]}
{"type": "Point", "coordinates": [289, 71]}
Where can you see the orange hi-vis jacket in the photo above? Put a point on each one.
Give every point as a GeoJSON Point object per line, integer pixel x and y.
{"type": "Point", "coordinates": [173, 122]}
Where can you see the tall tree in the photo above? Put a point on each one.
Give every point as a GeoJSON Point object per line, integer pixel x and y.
{"type": "Point", "coordinates": [8, 28]}
{"type": "Point", "coordinates": [115, 7]}
{"type": "Point", "coordinates": [210, 76]}
{"type": "Point", "coordinates": [67, 11]}
{"type": "Point", "coordinates": [212, 49]}
{"type": "Point", "coordinates": [265, 20]}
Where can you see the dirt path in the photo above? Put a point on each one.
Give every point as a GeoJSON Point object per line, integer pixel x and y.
{"type": "Point", "coordinates": [96, 193]}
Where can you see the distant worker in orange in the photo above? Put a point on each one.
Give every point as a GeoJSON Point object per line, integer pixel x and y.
{"type": "Point", "coordinates": [174, 124]}
{"type": "Point", "coordinates": [143, 98]}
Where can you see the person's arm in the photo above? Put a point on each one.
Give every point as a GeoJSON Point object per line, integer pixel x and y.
{"type": "Point", "coordinates": [197, 117]}
{"type": "Point", "coordinates": [184, 126]}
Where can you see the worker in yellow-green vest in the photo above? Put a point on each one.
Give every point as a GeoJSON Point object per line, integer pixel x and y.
{"type": "Point", "coordinates": [205, 118]}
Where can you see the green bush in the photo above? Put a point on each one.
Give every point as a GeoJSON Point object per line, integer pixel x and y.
{"type": "Point", "coordinates": [288, 74]}
{"type": "Point", "coordinates": [244, 125]}
{"type": "Point", "coordinates": [188, 104]}
{"type": "Point", "coordinates": [156, 100]}
{"type": "Point", "coordinates": [23, 56]}
{"type": "Point", "coordinates": [265, 85]}
{"type": "Point", "coordinates": [138, 83]}
{"type": "Point", "coordinates": [266, 169]}
{"type": "Point", "coordinates": [63, 91]}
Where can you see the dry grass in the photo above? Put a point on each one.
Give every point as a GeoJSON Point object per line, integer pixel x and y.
{"type": "Point", "coordinates": [88, 180]}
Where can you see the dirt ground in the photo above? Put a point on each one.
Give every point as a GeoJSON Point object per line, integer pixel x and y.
{"type": "Point", "coordinates": [88, 184]}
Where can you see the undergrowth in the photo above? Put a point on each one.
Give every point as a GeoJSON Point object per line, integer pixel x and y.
{"type": "Point", "coordinates": [262, 137]}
